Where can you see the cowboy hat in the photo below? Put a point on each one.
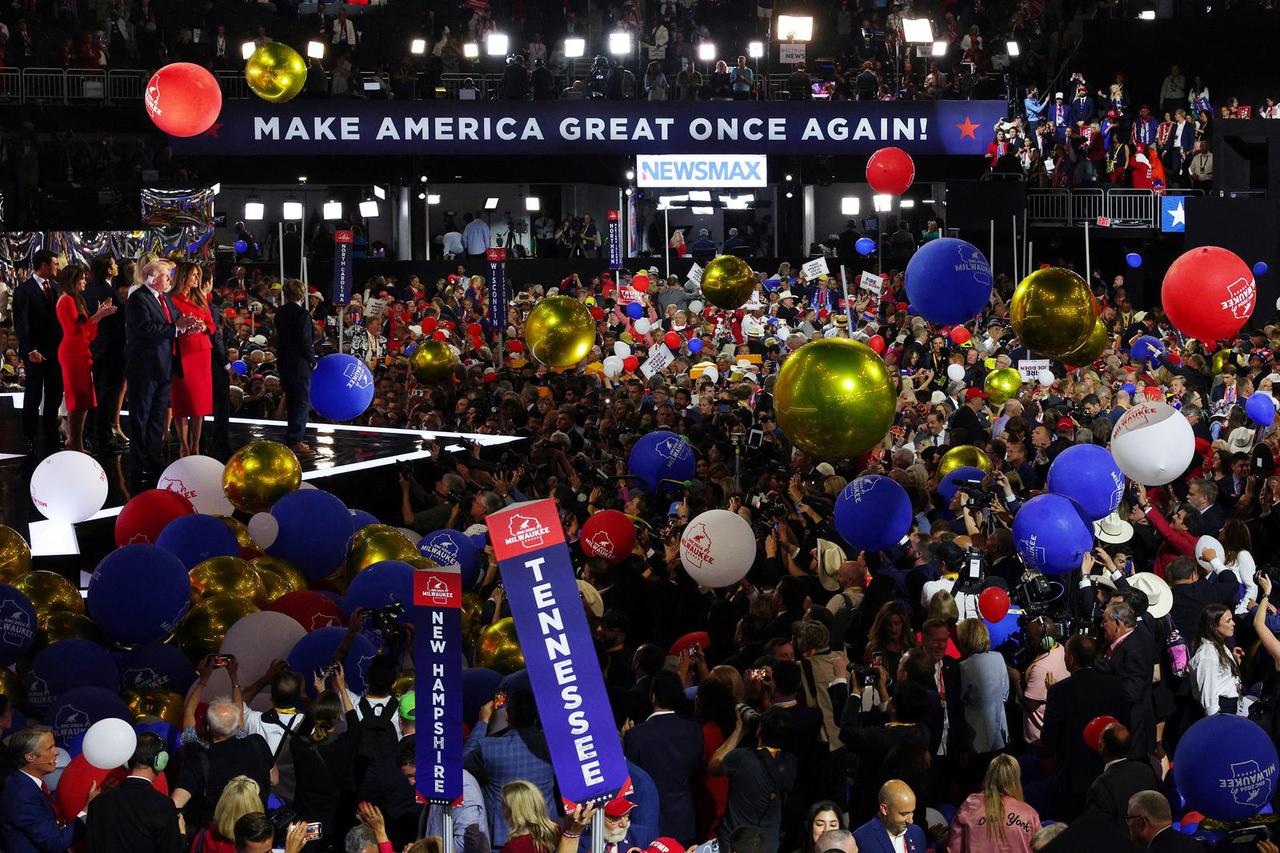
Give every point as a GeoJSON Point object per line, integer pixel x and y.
{"type": "Point", "coordinates": [1159, 596]}
{"type": "Point", "coordinates": [830, 558]}
{"type": "Point", "coordinates": [1240, 440]}
{"type": "Point", "coordinates": [1113, 530]}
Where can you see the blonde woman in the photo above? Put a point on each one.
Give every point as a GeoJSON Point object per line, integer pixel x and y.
{"type": "Point", "coordinates": [529, 830]}
{"type": "Point", "coordinates": [984, 687]}
{"type": "Point", "coordinates": [239, 798]}
{"type": "Point", "coordinates": [995, 820]}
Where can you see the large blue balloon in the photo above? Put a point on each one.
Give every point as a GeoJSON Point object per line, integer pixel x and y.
{"type": "Point", "coordinates": [341, 387]}
{"type": "Point", "coordinates": [661, 455]}
{"type": "Point", "coordinates": [73, 712]}
{"type": "Point", "coordinates": [1088, 475]}
{"type": "Point", "coordinates": [65, 664]}
{"type": "Point", "coordinates": [314, 529]}
{"type": "Point", "coordinates": [1052, 535]}
{"type": "Point", "coordinates": [380, 584]}
{"type": "Point", "coordinates": [453, 547]}
{"type": "Point", "coordinates": [864, 246]}
{"type": "Point", "coordinates": [17, 624]}
{"type": "Point", "coordinates": [948, 281]}
{"type": "Point", "coordinates": [156, 666]}
{"type": "Point", "coordinates": [359, 519]}
{"type": "Point", "coordinates": [1146, 347]}
{"type": "Point", "coordinates": [139, 593]}
{"type": "Point", "coordinates": [242, 247]}
{"type": "Point", "coordinates": [873, 513]}
{"type": "Point", "coordinates": [1133, 259]}
{"type": "Point", "coordinates": [478, 687]}
{"type": "Point", "coordinates": [195, 538]}
{"type": "Point", "coordinates": [1226, 767]}
{"type": "Point", "coordinates": [635, 310]}
{"type": "Point", "coordinates": [951, 483]}
{"type": "Point", "coordinates": [1001, 631]}
{"type": "Point", "coordinates": [314, 651]}
{"type": "Point", "coordinates": [1261, 409]}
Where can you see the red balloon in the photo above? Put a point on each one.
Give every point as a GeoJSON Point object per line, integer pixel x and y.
{"type": "Point", "coordinates": [609, 534]}
{"type": "Point", "coordinates": [76, 780]}
{"type": "Point", "coordinates": [630, 363]}
{"type": "Point", "coordinates": [693, 638]}
{"type": "Point", "coordinates": [440, 335]}
{"type": "Point", "coordinates": [876, 342]}
{"type": "Point", "coordinates": [310, 609]}
{"type": "Point", "coordinates": [1094, 728]}
{"type": "Point", "coordinates": [183, 99]}
{"type": "Point", "coordinates": [474, 330]}
{"type": "Point", "coordinates": [146, 514]}
{"type": "Point", "coordinates": [429, 325]}
{"type": "Point", "coordinates": [959, 335]}
{"type": "Point", "coordinates": [597, 313]}
{"type": "Point", "coordinates": [515, 346]}
{"type": "Point", "coordinates": [672, 340]}
{"type": "Point", "coordinates": [890, 171]}
{"type": "Point", "coordinates": [640, 281]}
{"type": "Point", "coordinates": [1209, 293]}
{"type": "Point", "coordinates": [993, 604]}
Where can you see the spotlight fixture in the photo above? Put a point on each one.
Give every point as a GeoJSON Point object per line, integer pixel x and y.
{"type": "Point", "coordinates": [369, 209]}
{"type": "Point", "coordinates": [850, 205]}
{"type": "Point", "coordinates": [315, 49]}
{"type": "Point", "coordinates": [491, 203]}
{"type": "Point", "coordinates": [332, 210]}
{"type": "Point", "coordinates": [532, 203]}
{"type": "Point", "coordinates": [575, 48]}
{"type": "Point", "coordinates": [917, 30]}
{"type": "Point", "coordinates": [755, 49]}
{"type": "Point", "coordinates": [620, 43]}
{"type": "Point", "coordinates": [471, 50]}
{"type": "Point", "coordinates": [254, 211]}
{"type": "Point", "coordinates": [293, 211]}
{"type": "Point", "coordinates": [496, 44]}
{"type": "Point", "coordinates": [418, 47]}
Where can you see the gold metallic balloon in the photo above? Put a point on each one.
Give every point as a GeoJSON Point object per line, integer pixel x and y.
{"type": "Point", "coordinates": [560, 331]}
{"type": "Point", "coordinates": [499, 648]}
{"type": "Point", "coordinates": [404, 683]}
{"type": "Point", "coordinates": [963, 456]}
{"type": "Point", "coordinates": [49, 592]}
{"type": "Point", "coordinates": [266, 563]}
{"type": "Point", "coordinates": [1222, 358]}
{"type": "Point", "coordinates": [1003, 384]}
{"type": "Point", "coordinates": [433, 362]}
{"type": "Point", "coordinates": [155, 704]}
{"type": "Point", "coordinates": [1093, 347]}
{"type": "Point", "coordinates": [728, 282]}
{"type": "Point", "coordinates": [276, 72]}
{"type": "Point", "coordinates": [375, 543]}
{"type": "Point", "coordinates": [472, 607]}
{"type": "Point", "coordinates": [201, 632]}
{"type": "Point", "coordinates": [241, 530]}
{"type": "Point", "coordinates": [259, 474]}
{"type": "Point", "coordinates": [11, 687]}
{"type": "Point", "coordinates": [273, 586]}
{"type": "Point", "coordinates": [65, 625]}
{"type": "Point", "coordinates": [225, 576]}
{"type": "Point", "coordinates": [834, 398]}
{"type": "Point", "coordinates": [15, 556]}
{"type": "Point", "coordinates": [1053, 311]}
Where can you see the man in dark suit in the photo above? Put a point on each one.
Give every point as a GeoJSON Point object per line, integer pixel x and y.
{"type": "Point", "coordinates": [1121, 777]}
{"type": "Point", "coordinates": [1203, 496]}
{"type": "Point", "coordinates": [669, 748]}
{"type": "Point", "coordinates": [38, 337]}
{"type": "Point", "coordinates": [1069, 706]}
{"type": "Point", "coordinates": [108, 353]}
{"type": "Point", "coordinates": [134, 817]}
{"type": "Point", "coordinates": [28, 821]}
{"type": "Point", "coordinates": [891, 830]}
{"type": "Point", "coordinates": [1132, 657]}
{"type": "Point", "coordinates": [966, 425]}
{"type": "Point", "coordinates": [294, 335]}
{"type": "Point", "coordinates": [1151, 825]}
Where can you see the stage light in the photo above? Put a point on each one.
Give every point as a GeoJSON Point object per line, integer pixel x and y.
{"type": "Point", "coordinates": [703, 211]}
{"type": "Point", "coordinates": [293, 210]}
{"type": "Point", "coordinates": [883, 202]}
{"type": "Point", "coordinates": [422, 196]}
{"type": "Point", "coordinates": [532, 203]}
{"type": "Point", "coordinates": [628, 191]}
{"type": "Point", "coordinates": [433, 198]}
{"type": "Point", "coordinates": [755, 49]}
{"type": "Point", "coordinates": [491, 203]}
{"type": "Point", "coordinates": [791, 195]}
{"type": "Point", "coordinates": [496, 44]}
{"type": "Point", "coordinates": [332, 210]}
{"type": "Point", "coordinates": [917, 30]}
{"type": "Point", "coordinates": [631, 174]}
{"type": "Point", "coordinates": [302, 179]}
{"type": "Point", "coordinates": [246, 50]}
{"type": "Point", "coordinates": [1012, 48]}
{"type": "Point", "coordinates": [254, 211]}
{"type": "Point", "coordinates": [700, 195]}
{"type": "Point", "coordinates": [850, 205]}
{"type": "Point", "coordinates": [707, 52]}
{"type": "Point", "coordinates": [418, 47]}
{"type": "Point", "coordinates": [471, 50]}
{"type": "Point", "coordinates": [795, 27]}
{"type": "Point", "coordinates": [379, 192]}
{"type": "Point", "coordinates": [907, 202]}
{"type": "Point", "coordinates": [620, 43]}
{"type": "Point", "coordinates": [787, 176]}
{"type": "Point", "coordinates": [940, 48]}
{"type": "Point", "coordinates": [315, 49]}
{"type": "Point", "coordinates": [369, 209]}
{"type": "Point", "coordinates": [1147, 15]}
{"type": "Point", "coordinates": [575, 48]}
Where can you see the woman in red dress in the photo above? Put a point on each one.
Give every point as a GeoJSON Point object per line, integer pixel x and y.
{"type": "Point", "coordinates": [79, 328]}
{"type": "Point", "coordinates": [192, 396]}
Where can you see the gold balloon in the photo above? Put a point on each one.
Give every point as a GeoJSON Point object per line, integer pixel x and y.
{"type": "Point", "coordinates": [433, 362]}
{"type": "Point", "coordinates": [49, 592]}
{"type": "Point", "coordinates": [201, 632]}
{"type": "Point", "coordinates": [472, 606]}
{"type": "Point", "coordinates": [834, 398]}
{"type": "Point", "coordinates": [156, 704]}
{"type": "Point", "coordinates": [499, 648]}
{"type": "Point", "coordinates": [276, 566]}
{"type": "Point", "coordinates": [259, 474]}
{"type": "Point", "coordinates": [11, 687]}
{"type": "Point", "coordinates": [1053, 311]}
{"type": "Point", "coordinates": [375, 543]}
{"type": "Point", "coordinates": [404, 683]}
{"type": "Point", "coordinates": [225, 576]}
{"type": "Point", "coordinates": [273, 586]}
{"type": "Point", "coordinates": [963, 456]}
{"type": "Point", "coordinates": [1222, 358]}
{"type": "Point", "coordinates": [560, 331]}
{"type": "Point", "coordinates": [15, 556]}
{"type": "Point", "coordinates": [275, 72]}
{"type": "Point", "coordinates": [65, 625]}
{"type": "Point", "coordinates": [238, 527]}
{"type": "Point", "coordinates": [1003, 384]}
{"type": "Point", "coordinates": [728, 282]}
{"type": "Point", "coordinates": [1094, 345]}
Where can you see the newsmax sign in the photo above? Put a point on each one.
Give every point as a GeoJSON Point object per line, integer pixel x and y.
{"type": "Point", "coordinates": [702, 170]}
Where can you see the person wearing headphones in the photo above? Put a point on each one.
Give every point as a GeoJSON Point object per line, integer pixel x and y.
{"type": "Point", "coordinates": [134, 817]}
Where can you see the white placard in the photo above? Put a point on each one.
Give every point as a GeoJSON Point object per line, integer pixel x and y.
{"type": "Point", "coordinates": [702, 170]}
{"type": "Point", "coordinates": [1030, 368]}
{"type": "Point", "coordinates": [695, 274]}
{"type": "Point", "coordinates": [791, 53]}
{"type": "Point", "coordinates": [659, 357]}
{"type": "Point", "coordinates": [872, 282]}
{"type": "Point", "coordinates": [814, 268]}
{"type": "Point", "coordinates": [375, 307]}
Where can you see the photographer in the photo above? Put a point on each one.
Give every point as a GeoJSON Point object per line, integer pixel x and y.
{"type": "Point", "coordinates": [760, 776]}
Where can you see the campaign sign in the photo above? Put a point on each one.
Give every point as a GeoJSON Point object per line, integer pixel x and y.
{"type": "Point", "coordinates": [537, 574]}
{"type": "Point", "coordinates": [497, 286]}
{"type": "Point", "coordinates": [342, 239]}
{"type": "Point", "coordinates": [437, 639]}
{"type": "Point", "coordinates": [615, 240]}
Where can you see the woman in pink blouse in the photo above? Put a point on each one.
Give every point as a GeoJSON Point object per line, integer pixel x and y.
{"type": "Point", "coordinates": [995, 820]}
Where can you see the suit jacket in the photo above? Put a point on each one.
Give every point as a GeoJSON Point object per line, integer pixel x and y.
{"type": "Point", "coordinates": [1170, 840]}
{"type": "Point", "coordinates": [294, 336]}
{"type": "Point", "coordinates": [109, 342]}
{"type": "Point", "coordinates": [669, 748]}
{"type": "Point", "coordinates": [967, 428]}
{"type": "Point", "coordinates": [133, 817]}
{"type": "Point", "coordinates": [34, 320]}
{"type": "Point", "coordinates": [1109, 794]}
{"type": "Point", "coordinates": [1212, 519]}
{"type": "Point", "coordinates": [953, 704]}
{"type": "Point", "coordinates": [1069, 706]}
{"type": "Point", "coordinates": [27, 820]}
{"type": "Point", "coordinates": [1133, 662]}
{"type": "Point", "coordinates": [151, 339]}
{"type": "Point", "coordinates": [872, 837]}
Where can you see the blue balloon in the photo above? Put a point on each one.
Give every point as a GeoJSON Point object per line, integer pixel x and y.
{"type": "Point", "coordinates": [1052, 535]}
{"type": "Point", "coordinates": [240, 368]}
{"type": "Point", "coordinates": [635, 310]}
{"type": "Point", "coordinates": [65, 664]}
{"type": "Point", "coordinates": [195, 538]}
{"type": "Point", "coordinates": [1129, 388]}
{"type": "Point", "coordinates": [951, 483]}
{"type": "Point", "coordinates": [73, 712]}
{"type": "Point", "coordinates": [341, 387]}
{"type": "Point", "coordinates": [661, 455]}
{"type": "Point", "coordinates": [242, 247]}
{"type": "Point", "coordinates": [1226, 767]}
{"type": "Point", "coordinates": [948, 281]}
{"type": "Point", "coordinates": [314, 651]}
{"type": "Point", "coordinates": [518, 680]}
{"type": "Point", "coordinates": [17, 624]}
{"type": "Point", "coordinates": [157, 666]}
{"type": "Point", "coordinates": [139, 593]}
{"type": "Point", "coordinates": [453, 547]}
{"type": "Point", "coordinates": [359, 519]}
{"type": "Point", "coordinates": [1260, 268]}
{"type": "Point", "coordinates": [873, 513]}
{"type": "Point", "coordinates": [171, 736]}
{"type": "Point", "coordinates": [314, 531]}
{"type": "Point", "coordinates": [478, 687]}
{"type": "Point", "coordinates": [695, 345]}
{"type": "Point", "coordinates": [1133, 259]}
{"type": "Point", "coordinates": [387, 582]}
{"type": "Point", "coordinates": [1145, 348]}
{"type": "Point", "coordinates": [1088, 475]}
{"type": "Point", "coordinates": [865, 246]}
{"type": "Point", "coordinates": [1001, 631]}
{"type": "Point", "coordinates": [1261, 409]}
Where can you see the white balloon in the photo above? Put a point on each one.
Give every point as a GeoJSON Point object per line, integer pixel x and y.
{"type": "Point", "coordinates": [643, 325]}
{"type": "Point", "coordinates": [620, 349]}
{"type": "Point", "coordinates": [64, 760]}
{"type": "Point", "coordinates": [199, 480]}
{"type": "Point", "coordinates": [263, 529]}
{"type": "Point", "coordinates": [717, 548]}
{"type": "Point", "coordinates": [955, 372]}
{"type": "Point", "coordinates": [306, 484]}
{"type": "Point", "coordinates": [1045, 377]}
{"type": "Point", "coordinates": [69, 486]}
{"type": "Point", "coordinates": [1207, 541]}
{"type": "Point", "coordinates": [712, 373]}
{"type": "Point", "coordinates": [1153, 443]}
{"type": "Point", "coordinates": [256, 640]}
{"type": "Point", "coordinates": [613, 366]}
{"type": "Point", "coordinates": [414, 536]}
{"type": "Point", "coordinates": [696, 306]}
{"type": "Point", "coordinates": [109, 743]}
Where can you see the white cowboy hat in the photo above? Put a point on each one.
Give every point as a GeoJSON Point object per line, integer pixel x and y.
{"type": "Point", "coordinates": [1113, 530]}
{"type": "Point", "coordinates": [1208, 542]}
{"type": "Point", "coordinates": [830, 557]}
{"type": "Point", "coordinates": [1240, 440]}
{"type": "Point", "coordinates": [1159, 596]}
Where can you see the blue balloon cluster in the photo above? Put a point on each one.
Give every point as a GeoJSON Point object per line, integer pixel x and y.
{"type": "Point", "coordinates": [951, 483]}
{"type": "Point", "coordinates": [660, 456]}
{"type": "Point", "coordinates": [948, 281]}
{"type": "Point", "coordinates": [450, 548]}
{"type": "Point", "coordinates": [864, 246]}
{"type": "Point", "coordinates": [1088, 475]}
{"type": "Point", "coordinates": [17, 624]}
{"type": "Point", "coordinates": [1146, 348]}
{"type": "Point", "coordinates": [1133, 259]}
{"type": "Point", "coordinates": [66, 664]}
{"type": "Point", "coordinates": [314, 651]}
{"type": "Point", "coordinates": [195, 538]}
{"type": "Point", "coordinates": [1261, 409]}
{"type": "Point", "coordinates": [387, 582]}
{"type": "Point", "coordinates": [156, 666]}
{"type": "Point", "coordinates": [139, 593]}
{"type": "Point", "coordinates": [72, 713]}
{"type": "Point", "coordinates": [1052, 535]}
{"type": "Point", "coordinates": [341, 387]}
{"type": "Point", "coordinates": [314, 529]}
{"type": "Point", "coordinates": [1226, 767]}
{"type": "Point", "coordinates": [873, 513]}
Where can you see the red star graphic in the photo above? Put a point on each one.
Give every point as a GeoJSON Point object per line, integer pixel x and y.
{"type": "Point", "coordinates": [967, 129]}
{"type": "Point", "coordinates": [213, 131]}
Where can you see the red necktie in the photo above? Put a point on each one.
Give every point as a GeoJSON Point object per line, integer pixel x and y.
{"type": "Point", "coordinates": [48, 795]}
{"type": "Point", "coordinates": [164, 306]}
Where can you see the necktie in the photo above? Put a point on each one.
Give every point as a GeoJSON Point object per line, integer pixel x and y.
{"type": "Point", "coordinates": [48, 795]}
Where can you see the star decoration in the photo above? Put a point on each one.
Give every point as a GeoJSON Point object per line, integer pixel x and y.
{"type": "Point", "coordinates": [1179, 214]}
{"type": "Point", "coordinates": [967, 128]}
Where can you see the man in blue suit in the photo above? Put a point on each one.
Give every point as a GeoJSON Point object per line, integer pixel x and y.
{"type": "Point", "coordinates": [891, 830]}
{"type": "Point", "coordinates": [28, 822]}
{"type": "Point", "coordinates": [669, 748]}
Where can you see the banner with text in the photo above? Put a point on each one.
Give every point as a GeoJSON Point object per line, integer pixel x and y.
{"type": "Point", "coordinates": [342, 240]}
{"type": "Point", "coordinates": [615, 240]}
{"type": "Point", "coordinates": [559, 653]}
{"type": "Point", "coordinates": [437, 654]}
{"type": "Point", "coordinates": [497, 287]}
{"type": "Point", "coordinates": [255, 128]}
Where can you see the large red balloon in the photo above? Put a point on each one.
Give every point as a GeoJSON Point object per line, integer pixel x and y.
{"type": "Point", "coordinates": [693, 638]}
{"type": "Point", "coordinates": [640, 282]}
{"type": "Point", "coordinates": [890, 171]}
{"type": "Point", "coordinates": [310, 609]}
{"type": "Point", "coordinates": [960, 334]}
{"type": "Point", "coordinates": [145, 515]}
{"type": "Point", "coordinates": [76, 780]}
{"type": "Point", "coordinates": [993, 604]}
{"type": "Point", "coordinates": [876, 342]}
{"type": "Point", "coordinates": [1209, 293]}
{"type": "Point", "coordinates": [1094, 728]}
{"type": "Point", "coordinates": [183, 99]}
{"type": "Point", "coordinates": [609, 534]}
{"type": "Point", "coordinates": [672, 340]}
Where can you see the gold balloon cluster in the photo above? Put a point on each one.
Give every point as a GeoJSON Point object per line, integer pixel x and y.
{"type": "Point", "coordinates": [201, 632]}
{"type": "Point", "coordinates": [1053, 311]}
{"type": "Point", "coordinates": [432, 362]}
{"type": "Point", "coordinates": [728, 282]}
{"type": "Point", "coordinates": [49, 593]}
{"type": "Point", "coordinates": [472, 607]}
{"type": "Point", "coordinates": [238, 527]}
{"type": "Point", "coordinates": [11, 688]}
{"type": "Point", "coordinates": [65, 625]}
{"type": "Point", "coordinates": [498, 648]}
{"type": "Point", "coordinates": [560, 331]}
{"type": "Point", "coordinates": [1002, 384]}
{"type": "Point", "coordinates": [259, 474]}
{"type": "Point", "coordinates": [278, 577]}
{"type": "Point", "coordinates": [1093, 346]}
{"type": "Point", "coordinates": [963, 456]}
{"type": "Point", "coordinates": [375, 543]}
{"type": "Point", "coordinates": [230, 576]}
{"type": "Point", "coordinates": [156, 704]}
{"type": "Point", "coordinates": [834, 398]}
{"type": "Point", "coordinates": [15, 555]}
{"type": "Point", "coordinates": [276, 72]}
